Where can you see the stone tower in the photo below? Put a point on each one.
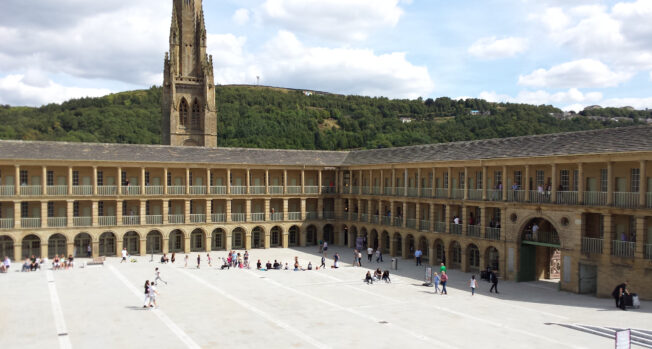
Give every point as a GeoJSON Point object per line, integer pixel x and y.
{"type": "Point", "coordinates": [188, 99]}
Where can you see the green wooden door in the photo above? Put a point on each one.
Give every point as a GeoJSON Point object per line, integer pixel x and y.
{"type": "Point", "coordinates": [527, 265]}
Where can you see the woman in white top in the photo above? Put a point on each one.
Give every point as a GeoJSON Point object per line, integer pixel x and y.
{"type": "Point", "coordinates": [473, 284]}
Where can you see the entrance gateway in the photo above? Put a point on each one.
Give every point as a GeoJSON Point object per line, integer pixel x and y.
{"type": "Point", "coordinates": [540, 252]}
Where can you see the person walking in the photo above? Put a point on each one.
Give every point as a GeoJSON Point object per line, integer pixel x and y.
{"type": "Point", "coordinates": [379, 256]}
{"type": "Point", "coordinates": [444, 280]}
{"type": "Point", "coordinates": [325, 246]}
{"type": "Point", "coordinates": [88, 251]}
{"type": "Point", "coordinates": [198, 260]}
{"type": "Point", "coordinates": [185, 259]}
{"type": "Point", "coordinates": [473, 283]}
{"type": "Point", "coordinates": [124, 255]}
{"type": "Point", "coordinates": [359, 259]}
{"type": "Point", "coordinates": [323, 261]}
{"type": "Point", "coordinates": [157, 276]}
{"type": "Point", "coordinates": [146, 301]}
{"type": "Point", "coordinates": [208, 258]}
{"type": "Point", "coordinates": [494, 282]}
{"type": "Point", "coordinates": [417, 256]}
{"type": "Point", "coordinates": [435, 281]}
{"type": "Point", "coordinates": [442, 269]}
{"type": "Point", "coordinates": [370, 253]}
{"type": "Point", "coordinates": [152, 295]}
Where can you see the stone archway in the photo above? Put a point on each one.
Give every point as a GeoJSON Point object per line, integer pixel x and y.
{"type": "Point", "coordinates": [423, 246]}
{"type": "Point", "coordinates": [540, 251]}
{"type": "Point", "coordinates": [154, 242]}
{"type": "Point", "coordinates": [492, 258]}
{"type": "Point", "coordinates": [81, 244]}
{"type": "Point", "coordinates": [353, 235]}
{"type": "Point", "coordinates": [473, 258]}
{"type": "Point", "coordinates": [257, 238]}
{"type": "Point", "coordinates": [275, 237]}
{"type": "Point", "coordinates": [294, 236]}
{"type": "Point", "coordinates": [177, 241]}
{"type": "Point", "coordinates": [197, 241]}
{"type": "Point", "coordinates": [218, 239]}
{"type": "Point", "coordinates": [107, 244]}
{"type": "Point", "coordinates": [386, 242]}
{"type": "Point", "coordinates": [398, 244]}
{"type": "Point", "coordinates": [57, 246]}
{"type": "Point", "coordinates": [440, 251]}
{"type": "Point", "coordinates": [31, 246]}
{"type": "Point", "coordinates": [329, 234]}
{"type": "Point", "coordinates": [238, 239]}
{"type": "Point", "coordinates": [374, 241]}
{"type": "Point", "coordinates": [131, 241]}
{"type": "Point", "coordinates": [311, 235]}
{"type": "Point", "coordinates": [410, 246]}
{"type": "Point", "coordinates": [455, 253]}
{"type": "Point", "coordinates": [6, 247]}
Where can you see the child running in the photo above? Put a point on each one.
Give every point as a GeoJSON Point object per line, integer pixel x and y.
{"type": "Point", "coordinates": [157, 275]}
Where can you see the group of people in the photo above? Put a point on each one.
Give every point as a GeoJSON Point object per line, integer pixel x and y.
{"type": "Point", "coordinates": [377, 276]}
{"type": "Point", "coordinates": [371, 252]}
{"type": "Point", "coordinates": [32, 264]}
{"type": "Point", "coordinates": [61, 262]}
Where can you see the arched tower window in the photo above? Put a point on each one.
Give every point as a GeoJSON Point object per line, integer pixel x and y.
{"type": "Point", "coordinates": [183, 112]}
{"type": "Point", "coordinates": [196, 118]}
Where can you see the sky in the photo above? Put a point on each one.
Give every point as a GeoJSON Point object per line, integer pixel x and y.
{"type": "Point", "coordinates": [567, 53]}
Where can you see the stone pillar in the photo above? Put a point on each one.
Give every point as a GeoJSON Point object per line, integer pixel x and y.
{"type": "Point", "coordinates": [465, 185]}
{"type": "Point", "coordinates": [303, 209]}
{"type": "Point", "coordinates": [418, 182]}
{"type": "Point", "coordinates": [228, 241]}
{"type": "Point", "coordinates": [319, 182]}
{"type": "Point", "coordinates": [608, 236]}
{"type": "Point", "coordinates": [431, 255]}
{"type": "Point", "coordinates": [580, 183]}
{"type": "Point", "coordinates": [381, 187]}
{"type": "Point", "coordinates": [433, 183]}
{"type": "Point", "coordinates": [405, 249]}
{"type": "Point", "coordinates": [465, 220]}
{"type": "Point", "coordinates": [267, 240]}
{"type": "Point", "coordinates": [303, 181]}
{"type": "Point", "coordinates": [483, 221]}
{"type": "Point", "coordinates": [165, 211]}
{"type": "Point", "coordinates": [166, 244]}
{"type": "Point", "coordinates": [485, 183]}
{"type": "Point", "coordinates": [465, 260]}
{"type": "Point", "coordinates": [142, 212]}
{"type": "Point", "coordinates": [361, 183]}
{"type": "Point", "coordinates": [504, 182]}
{"type": "Point", "coordinates": [448, 218]}
{"type": "Point", "coordinates": [118, 211]}
{"type": "Point", "coordinates": [209, 241]}
{"type": "Point", "coordinates": [302, 237]}
{"type": "Point", "coordinates": [393, 181]}
{"type": "Point", "coordinates": [248, 210]}
{"type": "Point", "coordinates": [392, 246]}
{"type": "Point", "coordinates": [527, 183]}
{"type": "Point", "coordinates": [404, 223]}
{"type": "Point", "coordinates": [165, 182]}
{"type": "Point", "coordinates": [70, 213]}
{"type": "Point", "coordinates": [44, 249]}
{"type": "Point", "coordinates": [188, 181]}
{"type": "Point", "coordinates": [44, 214]}
{"type": "Point", "coordinates": [450, 182]}
{"type": "Point", "coordinates": [94, 213]}
{"type": "Point", "coordinates": [142, 247]}
{"type": "Point", "coordinates": [405, 182]}
{"type": "Point", "coordinates": [208, 182]}
{"type": "Point", "coordinates": [95, 250]}
{"type": "Point", "coordinates": [44, 180]}
{"type": "Point", "coordinates": [186, 244]}
{"type": "Point", "coordinates": [186, 211]}
{"type": "Point", "coordinates": [432, 217]}
{"type": "Point", "coordinates": [118, 247]}
{"type": "Point", "coordinates": [142, 181]}
{"type": "Point", "coordinates": [228, 212]}
{"type": "Point", "coordinates": [209, 211]}
{"type": "Point", "coordinates": [70, 248]}
{"type": "Point", "coordinates": [285, 210]}
{"type": "Point", "coordinates": [17, 181]}
{"type": "Point", "coordinates": [640, 238]}
{"type": "Point", "coordinates": [285, 242]}
{"type": "Point", "coordinates": [267, 209]}
{"type": "Point", "coordinates": [417, 216]}
{"type": "Point", "coordinates": [228, 184]}
{"type": "Point", "coordinates": [392, 212]}
{"type": "Point", "coordinates": [285, 181]}
{"type": "Point", "coordinates": [642, 190]}
{"type": "Point", "coordinates": [70, 180]}
{"type": "Point", "coordinates": [555, 184]}
{"type": "Point", "coordinates": [17, 215]}
{"type": "Point", "coordinates": [95, 180]}
{"type": "Point", "coordinates": [248, 181]}
{"type": "Point", "coordinates": [267, 182]}
{"type": "Point", "coordinates": [320, 208]}
{"type": "Point", "coordinates": [610, 183]}
{"type": "Point", "coordinates": [18, 253]}
{"type": "Point", "coordinates": [118, 181]}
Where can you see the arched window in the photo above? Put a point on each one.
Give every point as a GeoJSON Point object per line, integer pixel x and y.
{"type": "Point", "coordinates": [183, 112]}
{"type": "Point", "coordinates": [195, 116]}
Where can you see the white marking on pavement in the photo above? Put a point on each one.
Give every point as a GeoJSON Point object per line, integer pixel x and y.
{"type": "Point", "coordinates": [59, 322]}
{"type": "Point", "coordinates": [273, 319]}
{"type": "Point", "coordinates": [355, 312]}
{"type": "Point", "coordinates": [159, 313]}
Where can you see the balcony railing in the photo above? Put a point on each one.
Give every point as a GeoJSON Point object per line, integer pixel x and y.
{"type": "Point", "coordinates": [355, 190]}
{"type": "Point", "coordinates": [398, 221]}
{"type": "Point", "coordinates": [567, 198]}
{"type": "Point", "coordinates": [311, 189]}
{"type": "Point", "coordinates": [539, 197]}
{"type": "Point", "coordinates": [424, 225]}
{"type": "Point", "coordinates": [458, 194]}
{"type": "Point", "coordinates": [57, 190]}
{"type": "Point", "coordinates": [595, 198]}
{"type": "Point", "coordinates": [311, 215]}
{"type": "Point", "coordinates": [176, 219]}
{"type": "Point", "coordinates": [6, 223]}
{"type": "Point", "coordinates": [441, 193]}
{"type": "Point", "coordinates": [176, 190]}
{"type": "Point", "coordinates": [257, 190]}
{"type": "Point", "coordinates": [198, 190]}
{"type": "Point", "coordinates": [366, 190]}
{"type": "Point", "coordinates": [516, 195]}
{"type": "Point", "coordinates": [82, 190]}
{"type": "Point", "coordinates": [626, 200]}
{"type": "Point", "coordinates": [622, 248]}
{"type": "Point", "coordinates": [411, 223]}
{"type": "Point", "coordinates": [364, 217]}
{"type": "Point", "coordinates": [426, 192]}
{"type": "Point", "coordinates": [218, 190]}
{"type": "Point", "coordinates": [494, 195]}
{"type": "Point", "coordinates": [375, 190]}
{"type": "Point", "coordinates": [492, 233]}
{"type": "Point", "coordinates": [198, 218]}
{"type": "Point", "coordinates": [30, 222]}
{"type": "Point", "coordinates": [278, 216]}
{"type": "Point", "coordinates": [131, 190]}
{"type": "Point", "coordinates": [592, 245]}
{"type": "Point", "coordinates": [546, 237]}
{"type": "Point", "coordinates": [456, 229]}
{"type": "Point", "coordinates": [131, 220]}
{"type": "Point", "coordinates": [475, 194]}
{"type": "Point", "coordinates": [649, 200]}
{"type": "Point", "coordinates": [474, 231]}
{"type": "Point", "coordinates": [107, 220]}
{"type": "Point", "coordinates": [238, 217]}
{"type": "Point", "coordinates": [107, 190]}
{"type": "Point", "coordinates": [440, 227]}
{"type": "Point", "coordinates": [258, 216]}
{"type": "Point", "coordinates": [400, 191]}
{"type": "Point", "coordinates": [154, 219]}
{"type": "Point", "coordinates": [413, 192]}
{"type": "Point", "coordinates": [294, 189]}
{"type": "Point", "coordinates": [648, 251]}
{"type": "Point", "coordinates": [388, 190]}
{"type": "Point", "coordinates": [329, 190]}
{"type": "Point", "coordinates": [154, 190]}
{"type": "Point", "coordinates": [330, 215]}
{"type": "Point", "coordinates": [294, 216]}
{"type": "Point", "coordinates": [238, 190]}
{"type": "Point", "coordinates": [31, 190]}
{"type": "Point", "coordinates": [82, 221]}
{"type": "Point", "coordinates": [276, 189]}
{"type": "Point", "coordinates": [218, 217]}
{"type": "Point", "coordinates": [7, 190]}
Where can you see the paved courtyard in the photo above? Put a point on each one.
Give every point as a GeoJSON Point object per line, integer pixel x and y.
{"type": "Point", "coordinates": [101, 307]}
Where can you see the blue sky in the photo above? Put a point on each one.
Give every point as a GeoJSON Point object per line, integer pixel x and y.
{"type": "Point", "coordinates": [570, 54]}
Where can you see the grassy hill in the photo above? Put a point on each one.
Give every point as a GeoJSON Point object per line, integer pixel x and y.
{"type": "Point", "coordinates": [263, 117]}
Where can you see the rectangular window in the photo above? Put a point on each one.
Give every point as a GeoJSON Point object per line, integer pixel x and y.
{"type": "Point", "coordinates": [169, 179]}
{"type": "Point", "coordinates": [50, 209]}
{"type": "Point", "coordinates": [540, 178]}
{"type": "Point", "coordinates": [635, 180]}
{"type": "Point", "coordinates": [518, 178]}
{"type": "Point", "coordinates": [445, 180]}
{"type": "Point", "coordinates": [604, 179]}
{"type": "Point", "coordinates": [498, 178]}
{"type": "Point", "coordinates": [124, 208]}
{"type": "Point", "coordinates": [576, 175]}
{"type": "Point", "coordinates": [75, 177]}
{"type": "Point", "coordinates": [100, 178]}
{"type": "Point", "coordinates": [212, 180]}
{"type": "Point", "coordinates": [191, 207]}
{"type": "Point", "coordinates": [23, 177]}
{"type": "Point", "coordinates": [564, 180]}
{"type": "Point", "coordinates": [123, 178]}
{"type": "Point", "coordinates": [75, 209]}
{"type": "Point", "coordinates": [462, 179]}
{"type": "Point", "coordinates": [147, 208]}
{"type": "Point", "coordinates": [24, 210]}
{"type": "Point", "coordinates": [100, 208]}
{"type": "Point", "coordinates": [497, 216]}
{"type": "Point", "coordinates": [189, 178]}
{"type": "Point", "coordinates": [478, 180]}
{"type": "Point", "coordinates": [146, 177]}
{"type": "Point", "coordinates": [50, 178]}
{"type": "Point", "coordinates": [601, 227]}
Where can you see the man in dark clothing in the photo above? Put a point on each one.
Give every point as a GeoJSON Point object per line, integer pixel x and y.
{"type": "Point", "coordinates": [619, 295]}
{"type": "Point", "coordinates": [494, 281]}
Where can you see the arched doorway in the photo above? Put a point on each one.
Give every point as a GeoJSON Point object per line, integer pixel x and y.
{"type": "Point", "coordinates": [6, 247]}
{"type": "Point", "coordinates": [364, 235]}
{"type": "Point", "coordinates": [311, 235]}
{"type": "Point", "coordinates": [154, 242]}
{"type": "Point", "coordinates": [293, 236]}
{"type": "Point", "coordinates": [374, 239]}
{"type": "Point", "coordinates": [197, 241]}
{"type": "Point", "coordinates": [57, 246]}
{"type": "Point", "coordinates": [473, 255]}
{"type": "Point", "coordinates": [329, 235]}
{"type": "Point", "coordinates": [398, 244]}
{"type": "Point", "coordinates": [409, 244]}
{"type": "Point", "coordinates": [492, 258]}
{"type": "Point", "coordinates": [440, 252]}
{"type": "Point", "coordinates": [31, 246]}
{"type": "Point", "coordinates": [131, 242]}
{"type": "Point", "coordinates": [423, 246]}
{"type": "Point", "coordinates": [386, 242]}
{"type": "Point", "coordinates": [81, 243]}
{"type": "Point", "coordinates": [275, 237]}
{"type": "Point", "coordinates": [455, 253]}
{"type": "Point", "coordinates": [237, 238]}
{"type": "Point", "coordinates": [257, 238]}
{"type": "Point", "coordinates": [353, 235]}
{"type": "Point", "coordinates": [345, 229]}
{"type": "Point", "coordinates": [107, 244]}
{"type": "Point", "coordinates": [540, 251]}
{"type": "Point", "coordinates": [176, 241]}
{"type": "Point", "coordinates": [217, 239]}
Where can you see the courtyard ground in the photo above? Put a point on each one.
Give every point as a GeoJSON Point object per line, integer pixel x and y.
{"type": "Point", "coordinates": [101, 307]}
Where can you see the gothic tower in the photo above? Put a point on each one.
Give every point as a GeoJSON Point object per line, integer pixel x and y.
{"type": "Point", "coordinates": [188, 99]}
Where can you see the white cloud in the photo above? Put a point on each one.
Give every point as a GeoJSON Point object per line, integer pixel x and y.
{"type": "Point", "coordinates": [637, 103]}
{"type": "Point", "coordinates": [340, 20]}
{"type": "Point", "coordinates": [493, 48]}
{"type": "Point", "coordinates": [580, 73]}
{"type": "Point", "coordinates": [538, 97]}
{"type": "Point", "coordinates": [241, 16]}
{"type": "Point", "coordinates": [286, 61]}
{"type": "Point", "coordinates": [35, 91]}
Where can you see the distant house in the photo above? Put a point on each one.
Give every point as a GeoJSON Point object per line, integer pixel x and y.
{"type": "Point", "coordinates": [308, 93]}
{"type": "Point", "coordinates": [406, 120]}
{"type": "Point", "coordinates": [478, 113]}
{"type": "Point", "coordinates": [475, 112]}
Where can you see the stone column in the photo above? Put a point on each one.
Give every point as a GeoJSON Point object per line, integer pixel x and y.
{"type": "Point", "coordinates": [142, 181]}
{"type": "Point", "coordinates": [165, 182]}
{"type": "Point", "coordinates": [209, 241]}
{"type": "Point", "coordinates": [555, 184]}
{"type": "Point", "coordinates": [228, 240]}
{"type": "Point", "coordinates": [465, 185]}
{"type": "Point", "coordinates": [360, 182]}
{"type": "Point", "coordinates": [640, 238]}
{"type": "Point", "coordinates": [95, 180]}
{"type": "Point", "coordinates": [94, 213]}
{"type": "Point", "coordinates": [286, 241]}
{"type": "Point", "coordinates": [433, 183]}
{"type": "Point", "coordinates": [165, 210]}
{"type": "Point", "coordinates": [44, 180]}
{"type": "Point", "coordinates": [450, 182]}
{"type": "Point", "coordinates": [580, 183]}
{"type": "Point", "coordinates": [267, 240]}
{"type": "Point", "coordinates": [610, 183]}
{"type": "Point", "coordinates": [381, 187]}
{"type": "Point", "coordinates": [209, 211]}
{"type": "Point", "coordinates": [142, 247]}
{"type": "Point", "coordinates": [404, 224]}
{"type": "Point", "coordinates": [417, 216]}
{"type": "Point", "coordinates": [44, 214]}
{"type": "Point", "coordinates": [70, 179]}
{"type": "Point", "coordinates": [285, 181]}
{"type": "Point", "coordinates": [448, 218]}
{"type": "Point", "coordinates": [208, 182]}
{"type": "Point", "coordinates": [18, 253]}
{"type": "Point", "coordinates": [268, 216]}
{"type": "Point", "coordinates": [186, 211]}
{"type": "Point", "coordinates": [303, 181]}
{"type": "Point", "coordinates": [418, 182]}
{"type": "Point", "coordinates": [95, 250]}
{"type": "Point", "coordinates": [285, 210]}
{"type": "Point", "coordinates": [465, 220]}
{"type": "Point", "coordinates": [608, 236]}
{"type": "Point", "coordinates": [319, 182]}
{"type": "Point", "coordinates": [44, 250]}
{"type": "Point", "coordinates": [504, 182]}
{"type": "Point", "coordinates": [166, 245]}
{"type": "Point", "coordinates": [392, 245]}
{"type": "Point", "coordinates": [432, 218]}
{"type": "Point", "coordinates": [484, 183]}
{"type": "Point", "coordinates": [405, 182]}
{"type": "Point", "coordinates": [303, 209]}
{"type": "Point", "coordinates": [118, 247]}
{"type": "Point", "coordinates": [118, 181]}
{"type": "Point", "coordinates": [320, 208]}
{"type": "Point", "coordinates": [392, 212]}
{"type": "Point", "coordinates": [267, 182]}
{"type": "Point", "coordinates": [642, 188]}
{"type": "Point", "coordinates": [188, 181]}
{"type": "Point", "coordinates": [70, 213]}
{"type": "Point", "coordinates": [143, 212]}
{"type": "Point", "coordinates": [228, 185]}
{"type": "Point", "coordinates": [483, 221]}
{"type": "Point", "coordinates": [228, 211]}
{"type": "Point", "coordinates": [248, 210]}
{"type": "Point", "coordinates": [393, 181]}
{"type": "Point", "coordinates": [248, 181]}
{"type": "Point", "coordinates": [186, 243]}
{"type": "Point", "coordinates": [17, 181]}
{"type": "Point", "coordinates": [527, 183]}
{"type": "Point", "coordinates": [70, 248]}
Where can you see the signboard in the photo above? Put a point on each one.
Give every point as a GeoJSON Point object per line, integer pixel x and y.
{"type": "Point", "coordinates": [428, 275]}
{"type": "Point", "coordinates": [624, 339]}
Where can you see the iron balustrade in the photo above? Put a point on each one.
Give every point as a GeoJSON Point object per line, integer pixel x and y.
{"type": "Point", "coordinates": [294, 216]}
{"type": "Point", "coordinates": [218, 190]}
{"type": "Point", "coordinates": [311, 215]}
{"type": "Point", "coordinates": [623, 248]}
{"type": "Point", "coordinates": [440, 227]}
{"type": "Point", "coordinates": [131, 220]}
{"type": "Point", "coordinates": [545, 237]}
{"type": "Point", "coordinates": [198, 218]}
{"type": "Point", "coordinates": [82, 221]}
{"type": "Point", "coordinates": [456, 229]}
{"type": "Point", "coordinates": [176, 219]}
{"type": "Point", "coordinates": [567, 198]}
{"type": "Point", "coordinates": [257, 190]}
{"type": "Point", "coordinates": [366, 190]}
{"type": "Point", "coordinates": [413, 192]}
{"type": "Point", "coordinates": [411, 223]}
{"type": "Point", "coordinates": [475, 194]}
{"type": "Point", "coordinates": [376, 190]}
{"type": "Point", "coordinates": [258, 217]}
{"type": "Point", "coordinates": [387, 220]}
{"type": "Point", "coordinates": [458, 194]}
{"type": "Point", "coordinates": [154, 190]}
{"type": "Point", "coordinates": [516, 195]}
{"type": "Point", "coordinates": [218, 217]}
{"type": "Point", "coordinates": [30, 222]}
{"type": "Point", "coordinates": [441, 193]}
{"type": "Point", "coordinates": [492, 233]}
{"type": "Point", "coordinates": [329, 214]}
{"type": "Point", "coordinates": [398, 221]}
{"type": "Point", "coordinates": [400, 191]}
{"type": "Point", "coordinates": [539, 197]}
{"type": "Point", "coordinates": [8, 190]}
{"type": "Point", "coordinates": [311, 189]}
{"type": "Point", "coordinates": [238, 217]}
{"type": "Point", "coordinates": [154, 219]}
{"type": "Point", "coordinates": [474, 231]}
{"type": "Point", "coordinates": [107, 220]}
{"type": "Point", "coordinates": [592, 245]}
{"type": "Point", "coordinates": [31, 190]}
{"type": "Point", "coordinates": [198, 190]}
{"type": "Point", "coordinates": [595, 198]}
{"type": "Point", "coordinates": [177, 190]}
{"type": "Point", "coordinates": [238, 190]}
{"type": "Point", "coordinates": [424, 225]}
{"type": "Point", "coordinates": [107, 190]}
{"type": "Point", "coordinates": [626, 200]}
{"type": "Point", "coordinates": [389, 190]}
{"type": "Point", "coordinates": [294, 189]}
{"type": "Point", "coordinates": [364, 217]}
{"type": "Point", "coordinates": [276, 190]}
{"type": "Point", "coordinates": [82, 190]}
{"type": "Point", "coordinates": [649, 200]}
{"type": "Point", "coordinates": [374, 219]}
{"type": "Point", "coordinates": [57, 190]}
{"type": "Point", "coordinates": [648, 251]}
{"type": "Point", "coordinates": [494, 195]}
{"type": "Point", "coordinates": [6, 223]}
{"type": "Point", "coordinates": [328, 190]}
{"type": "Point", "coordinates": [278, 216]}
{"type": "Point", "coordinates": [131, 190]}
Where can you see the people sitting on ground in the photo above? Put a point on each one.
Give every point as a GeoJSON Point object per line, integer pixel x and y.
{"type": "Point", "coordinates": [336, 261]}
{"type": "Point", "coordinates": [36, 264]}
{"type": "Point", "coordinates": [275, 265]}
{"type": "Point", "coordinates": [6, 264]}
{"type": "Point", "coordinates": [71, 261]}
{"type": "Point", "coordinates": [385, 276]}
{"type": "Point", "coordinates": [173, 258]}
{"type": "Point", "coordinates": [368, 279]}
{"type": "Point", "coordinates": [164, 258]}
{"type": "Point", "coordinates": [27, 265]}
{"type": "Point", "coordinates": [259, 265]}
{"type": "Point", "coordinates": [280, 266]}
{"type": "Point", "coordinates": [287, 267]}
{"type": "Point", "coordinates": [378, 274]}
{"type": "Point", "coordinates": [268, 265]}
{"type": "Point", "coordinates": [56, 264]}
{"type": "Point", "coordinates": [309, 265]}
